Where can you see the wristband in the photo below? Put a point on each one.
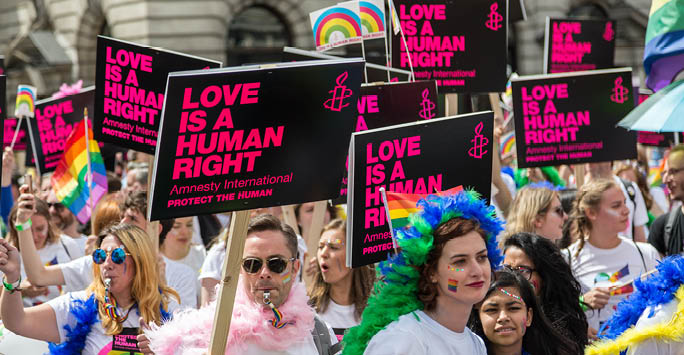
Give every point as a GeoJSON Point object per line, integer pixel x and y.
{"type": "Point", "coordinates": [23, 227]}
{"type": "Point", "coordinates": [584, 306]}
{"type": "Point", "coordinates": [11, 288]}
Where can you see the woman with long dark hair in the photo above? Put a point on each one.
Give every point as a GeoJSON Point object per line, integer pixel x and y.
{"type": "Point", "coordinates": [510, 320]}
{"type": "Point", "coordinates": [339, 293]}
{"type": "Point", "coordinates": [540, 261]}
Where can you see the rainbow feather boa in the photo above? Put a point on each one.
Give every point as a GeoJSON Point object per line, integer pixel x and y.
{"type": "Point", "coordinates": [396, 293]}
{"type": "Point", "coordinates": [658, 289]}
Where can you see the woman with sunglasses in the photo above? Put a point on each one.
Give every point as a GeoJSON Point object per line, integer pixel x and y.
{"type": "Point", "coordinates": [603, 262]}
{"type": "Point", "coordinates": [339, 293]}
{"type": "Point", "coordinates": [536, 209]}
{"type": "Point", "coordinates": [104, 317]}
{"type": "Point", "coordinates": [51, 247]}
{"type": "Point", "coordinates": [511, 321]}
{"type": "Point", "coordinates": [540, 261]}
{"type": "Point", "coordinates": [426, 292]}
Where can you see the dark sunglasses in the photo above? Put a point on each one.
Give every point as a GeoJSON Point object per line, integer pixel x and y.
{"type": "Point", "coordinates": [275, 264]}
{"type": "Point", "coordinates": [56, 205]}
{"type": "Point", "coordinates": [118, 255]}
{"type": "Point", "coordinates": [522, 270]}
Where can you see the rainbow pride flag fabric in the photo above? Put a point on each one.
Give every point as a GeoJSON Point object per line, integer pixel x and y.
{"type": "Point", "coordinates": [69, 181]}
{"type": "Point", "coordinates": [372, 18]}
{"type": "Point", "coordinates": [398, 206]}
{"type": "Point", "coordinates": [25, 104]}
{"type": "Point", "coordinates": [337, 25]}
{"type": "Point", "coordinates": [664, 47]}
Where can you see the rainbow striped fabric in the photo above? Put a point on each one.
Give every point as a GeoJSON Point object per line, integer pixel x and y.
{"type": "Point", "coordinates": [399, 206]}
{"type": "Point", "coordinates": [619, 274]}
{"type": "Point", "coordinates": [507, 144]}
{"type": "Point", "coordinates": [69, 180]}
{"type": "Point", "coordinates": [664, 48]}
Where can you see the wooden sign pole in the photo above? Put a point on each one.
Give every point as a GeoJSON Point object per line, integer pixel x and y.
{"type": "Point", "coordinates": [314, 234]}
{"type": "Point", "coordinates": [231, 272]}
{"type": "Point", "coordinates": [290, 218]}
{"type": "Point", "coordinates": [152, 227]}
{"type": "Point", "coordinates": [579, 175]}
{"type": "Point", "coordinates": [451, 104]}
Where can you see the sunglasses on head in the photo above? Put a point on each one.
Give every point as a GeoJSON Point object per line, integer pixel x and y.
{"type": "Point", "coordinates": [118, 255]}
{"type": "Point", "coordinates": [275, 264]}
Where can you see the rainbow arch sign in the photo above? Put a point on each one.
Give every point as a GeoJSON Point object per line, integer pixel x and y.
{"type": "Point", "coordinates": [25, 104]}
{"type": "Point", "coordinates": [337, 25]}
{"type": "Point", "coordinates": [372, 18]}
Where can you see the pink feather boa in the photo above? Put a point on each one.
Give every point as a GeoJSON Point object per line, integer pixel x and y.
{"type": "Point", "coordinates": [189, 332]}
{"type": "Point", "coordinates": [66, 90]}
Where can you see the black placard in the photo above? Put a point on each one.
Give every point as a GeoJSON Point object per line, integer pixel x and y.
{"type": "Point", "coordinates": [460, 45]}
{"type": "Point", "coordinates": [571, 118]}
{"type": "Point", "coordinates": [3, 103]}
{"type": "Point", "coordinates": [374, 74]}
{"type": "Point", "coordinates": [129, 90]}
{"type": "Point", "coordinates": [391, 104]}
{"type": "Point", "coordinates": [280, 136]}
{"type": "Point", "coordinates": [9, 126]}
{"type": "Point", "coordinates": [575, 45]}
{"type": "Point", "coordinates": [54, 121]}
{"type": "Point", "coordinates": [412, 158]}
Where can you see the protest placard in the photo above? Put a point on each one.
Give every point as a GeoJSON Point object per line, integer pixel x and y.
{"type": "Point", "coordinates": [391, 104]}
{"type": "Point", "coordinates": [9, 126]}
{"type": "Point", "coordinates": [461, 46]}
{"type": "Point", "coordinates": [130, 81]}
{"type": "Point", "coordinates": [54, 121]}
{"type": "Point", "coordinates": [576, 45]}
{"type": "Point", "coordinates": [414, 158]}
{"type": "Point", "coordinates": [249, 137]}
{"type": "Point", "coordinates": [3, 103]}
{"type": "Point", "coordinates": [571, 118]}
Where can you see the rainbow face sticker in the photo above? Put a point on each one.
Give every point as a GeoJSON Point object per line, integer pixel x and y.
{"type": "Point", "coordinates": [453, 268]}
{"type": "Point", "coordinates": [453, 285]}
{"type": "Point", "coordinates": [286, 276]}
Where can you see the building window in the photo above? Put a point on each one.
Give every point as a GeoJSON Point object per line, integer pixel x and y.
{"type": "Point", "coordinates": [256, 35]}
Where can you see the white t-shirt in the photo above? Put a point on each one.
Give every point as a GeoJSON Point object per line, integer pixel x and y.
{"type": "Point", "coordinates": [78, 274]}
{"type": "Point", "coordinates": [339, 318]}
{"type": "Point", "coordinates": [418, 334]}
{"type": "Point", "coordinates": [663, 314]}
{"type": "Point", "coordinates": [59, 252]}
{"type": "Point", "coordinates": [660, 198]}
{"type": "Point", "coordinates": [594, 267]}
{"type": "Point", "coordinates": [638, 215]}
{"type": "Point", "coordinates": [213, 263]}
{"type": "Point", "coordinates": [97, 342]}
{"type": "Point", "coordinates": [80, 241]}
{"type": "Point", "coordinates": [195, 257]}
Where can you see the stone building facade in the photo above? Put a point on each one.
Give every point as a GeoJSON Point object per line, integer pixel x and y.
{"type": "Point", "coordinates": [48, 42]}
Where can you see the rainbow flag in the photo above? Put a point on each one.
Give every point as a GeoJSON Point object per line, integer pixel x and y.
{"type": "Point", "coordinates": [337, 25]}
{"type": "Point", "coordinates": [507, 144]}
{"type": "Point", "coordinates": [655, 175]}
{"type": "Point", "coordinates": [619, 274]}
{"type": "Point", "coordinates": [622, 290]}
{"type": "Point", "coordinates": [399, 206]}
{"type": "Point", "coordinates": [69, 181]}
{"type": "Point", "coordinates": [664, 48]}
{"type": "Point", "coordinates": [26, 97]}
{"type": "Point", "coordinates": [396, 24]}
{"type": "Point", "coordinates": [372, 18]}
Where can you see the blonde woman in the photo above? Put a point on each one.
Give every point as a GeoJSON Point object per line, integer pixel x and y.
{"type": "Point", "coordinates": [603, 262]}
{"type": "Point", "coordinates": [126, 286]}
{"type": "Point", "coordinates": [537, 210]}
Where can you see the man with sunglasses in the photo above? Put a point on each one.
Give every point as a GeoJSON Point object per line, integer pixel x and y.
{"type": "Point", "coordinates": [667, 231]}
{"type": "Point", "coordinates": [270, 313]}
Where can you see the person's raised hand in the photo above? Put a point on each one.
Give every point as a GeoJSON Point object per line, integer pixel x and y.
{"type": "Point", "coordinates": [9, 261]}
{"type": "Point", "coordinates": [7, 166]}
{"type": "Point", "coordinates": [26, 205]}
{"type": "Point", "coordinates": [597, 298]}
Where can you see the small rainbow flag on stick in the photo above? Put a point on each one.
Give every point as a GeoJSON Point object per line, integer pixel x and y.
{"type": "Point", "coordinates": [507, 144]}
{"type": "Point", "coordinates": [69, 180]}
{"type": "Point", "coordinates": [26, 97]}
{"type": "Point", "coordinates": [337, 25]}
{"type": "Point", "coordinates": [620, 274]}
{"type": "Point", "coordinates": [372, 18]}
{"type": "Point", "coordinates": [399, 206]}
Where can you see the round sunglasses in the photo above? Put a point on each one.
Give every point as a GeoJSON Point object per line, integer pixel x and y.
{"type": "Point", "coordinates": [275, 264]}
{"type": "Point", "coordinates": [118, 255]}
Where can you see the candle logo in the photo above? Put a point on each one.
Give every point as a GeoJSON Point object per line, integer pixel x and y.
{"type": "Point", "coordinates": [427, 105]}
{"type": "Point", "coordinates": [339, 94]}
{"type": "Point", "coordinates": [495, 19]}
{"type": "Point", "coordinates": [608, 33]}
{"type": "Point", "coordinates": [479, 142]}
{"type": "Point", "coordinates": [619, 92]}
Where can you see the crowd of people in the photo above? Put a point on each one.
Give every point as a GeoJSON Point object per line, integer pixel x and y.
{"type": "Point", "coordinates": [548, 267]}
